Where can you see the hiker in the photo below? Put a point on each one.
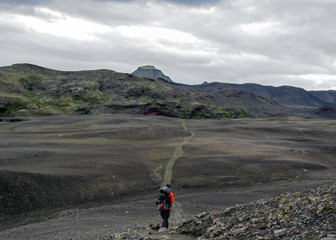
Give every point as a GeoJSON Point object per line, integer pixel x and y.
{"type": "Point", "coordinates": [164, 203]}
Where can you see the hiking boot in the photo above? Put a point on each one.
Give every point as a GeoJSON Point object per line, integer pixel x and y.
{"type": "Point", "coordinates": [163, 229]}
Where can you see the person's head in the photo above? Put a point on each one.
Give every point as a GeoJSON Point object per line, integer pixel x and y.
{"type": "Point", "coordinates": [168, 185]}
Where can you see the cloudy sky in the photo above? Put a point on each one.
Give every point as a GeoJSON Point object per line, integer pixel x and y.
{"type": "Point", "coordinates": [271, 42]}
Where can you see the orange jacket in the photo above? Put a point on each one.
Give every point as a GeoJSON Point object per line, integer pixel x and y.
{"type": "Point", "coordinates": [171, 196]}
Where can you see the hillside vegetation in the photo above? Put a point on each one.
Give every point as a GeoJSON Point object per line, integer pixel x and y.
{"type": "Point", "coordinates": [29, 90]}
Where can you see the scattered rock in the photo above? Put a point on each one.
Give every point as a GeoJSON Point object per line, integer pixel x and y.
{"type": "Point", "coordinates": [238, 231]}
{"type": "Point", "coordinates": [304, 215]}
{"type": "Point", "coordinates": [154, 227]}
{"type": "Point", "coordinates": [254, 220]}
{"type": "Point", "coordinates": [280, 233]}
{"type": "Point", "coordinates": [202, 215]}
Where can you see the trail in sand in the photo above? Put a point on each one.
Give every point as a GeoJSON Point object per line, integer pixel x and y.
{"type": "Point", "coordinates": [177, 214]}
{"type": "Point", "coordinates": [177, 154]}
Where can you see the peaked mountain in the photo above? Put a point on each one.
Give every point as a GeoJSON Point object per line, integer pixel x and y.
{"type": "Point", "coordinates": [151, 72]}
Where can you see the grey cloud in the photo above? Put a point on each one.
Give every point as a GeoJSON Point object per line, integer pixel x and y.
{"type": "Point", "coordinates": [183, 2]}
{"type": "Point", "coordinates": [193, 2]}
{"type": "Point", "coordinates": [23, 2]}
{"type": "Point", "coordinates": [302, 40]}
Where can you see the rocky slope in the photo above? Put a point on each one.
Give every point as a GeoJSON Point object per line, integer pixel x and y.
{"type": "Point", "coordinates": [304, 215]}
{"type": "Point", "coordinates": [27, 90]}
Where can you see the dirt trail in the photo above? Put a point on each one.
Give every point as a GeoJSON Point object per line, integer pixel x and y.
{"type": "Point", "coordinates": [177, 213]}
{"type": "Point", "coordinates": [177, 154]}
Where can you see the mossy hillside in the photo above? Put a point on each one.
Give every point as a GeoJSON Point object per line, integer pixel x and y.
{"type": "Point", "coordinates": [28, 90]}
{"type": "Point", "coordinates": [181, 109]}
{"type": "Point", "coordinates": [25, 91]}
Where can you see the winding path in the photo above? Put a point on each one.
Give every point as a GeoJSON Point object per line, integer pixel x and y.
{"type": "Point", "coordinates": [177, 214]}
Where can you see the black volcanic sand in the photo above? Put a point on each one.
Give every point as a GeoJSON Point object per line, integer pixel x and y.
{"type": "Point", "coordinates": [86, 177]}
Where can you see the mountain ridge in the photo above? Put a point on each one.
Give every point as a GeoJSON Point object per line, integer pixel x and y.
{"type": "Point", "coordinates": [31, 90]}
{"type": "Point", "coordinates": [289, 96]}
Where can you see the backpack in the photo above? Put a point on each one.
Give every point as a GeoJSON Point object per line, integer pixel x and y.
{"type": "Point", "coordinates": [163, 201]}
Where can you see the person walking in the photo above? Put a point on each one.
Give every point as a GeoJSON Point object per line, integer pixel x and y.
{"type": "Point", "coordinates": [165, 202]}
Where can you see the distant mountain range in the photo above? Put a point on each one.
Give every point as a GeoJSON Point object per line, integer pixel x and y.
{"type": "Point", "coordinates": [29, 90]}
{"type": "Point", "coordinates": [285, 95]}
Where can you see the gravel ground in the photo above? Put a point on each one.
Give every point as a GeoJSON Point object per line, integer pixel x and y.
{"type": "Point", "coordinates": [88, 177]}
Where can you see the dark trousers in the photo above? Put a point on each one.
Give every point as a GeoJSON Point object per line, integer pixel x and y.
{"type": "Point", "coordinates": [165, 215]}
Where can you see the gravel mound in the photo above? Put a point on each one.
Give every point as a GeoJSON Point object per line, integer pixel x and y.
{"type": "Point", "coordinates": [309, 214]}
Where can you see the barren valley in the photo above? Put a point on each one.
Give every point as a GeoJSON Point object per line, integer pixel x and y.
{"type": "Point", "coordinates": [87, 177]}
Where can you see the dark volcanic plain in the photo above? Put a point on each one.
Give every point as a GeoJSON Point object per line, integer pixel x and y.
{"type": "Point", "coordinates": [87, 177]}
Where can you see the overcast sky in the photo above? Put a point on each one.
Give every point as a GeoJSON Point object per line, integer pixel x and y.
{"type": "Point", "coordinates": [271, 42]}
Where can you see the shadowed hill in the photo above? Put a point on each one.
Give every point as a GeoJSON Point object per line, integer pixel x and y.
{"type": "Point", "coordinates": [328, 96]}
{"type": "Point", "coordinates": [285, 95]}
